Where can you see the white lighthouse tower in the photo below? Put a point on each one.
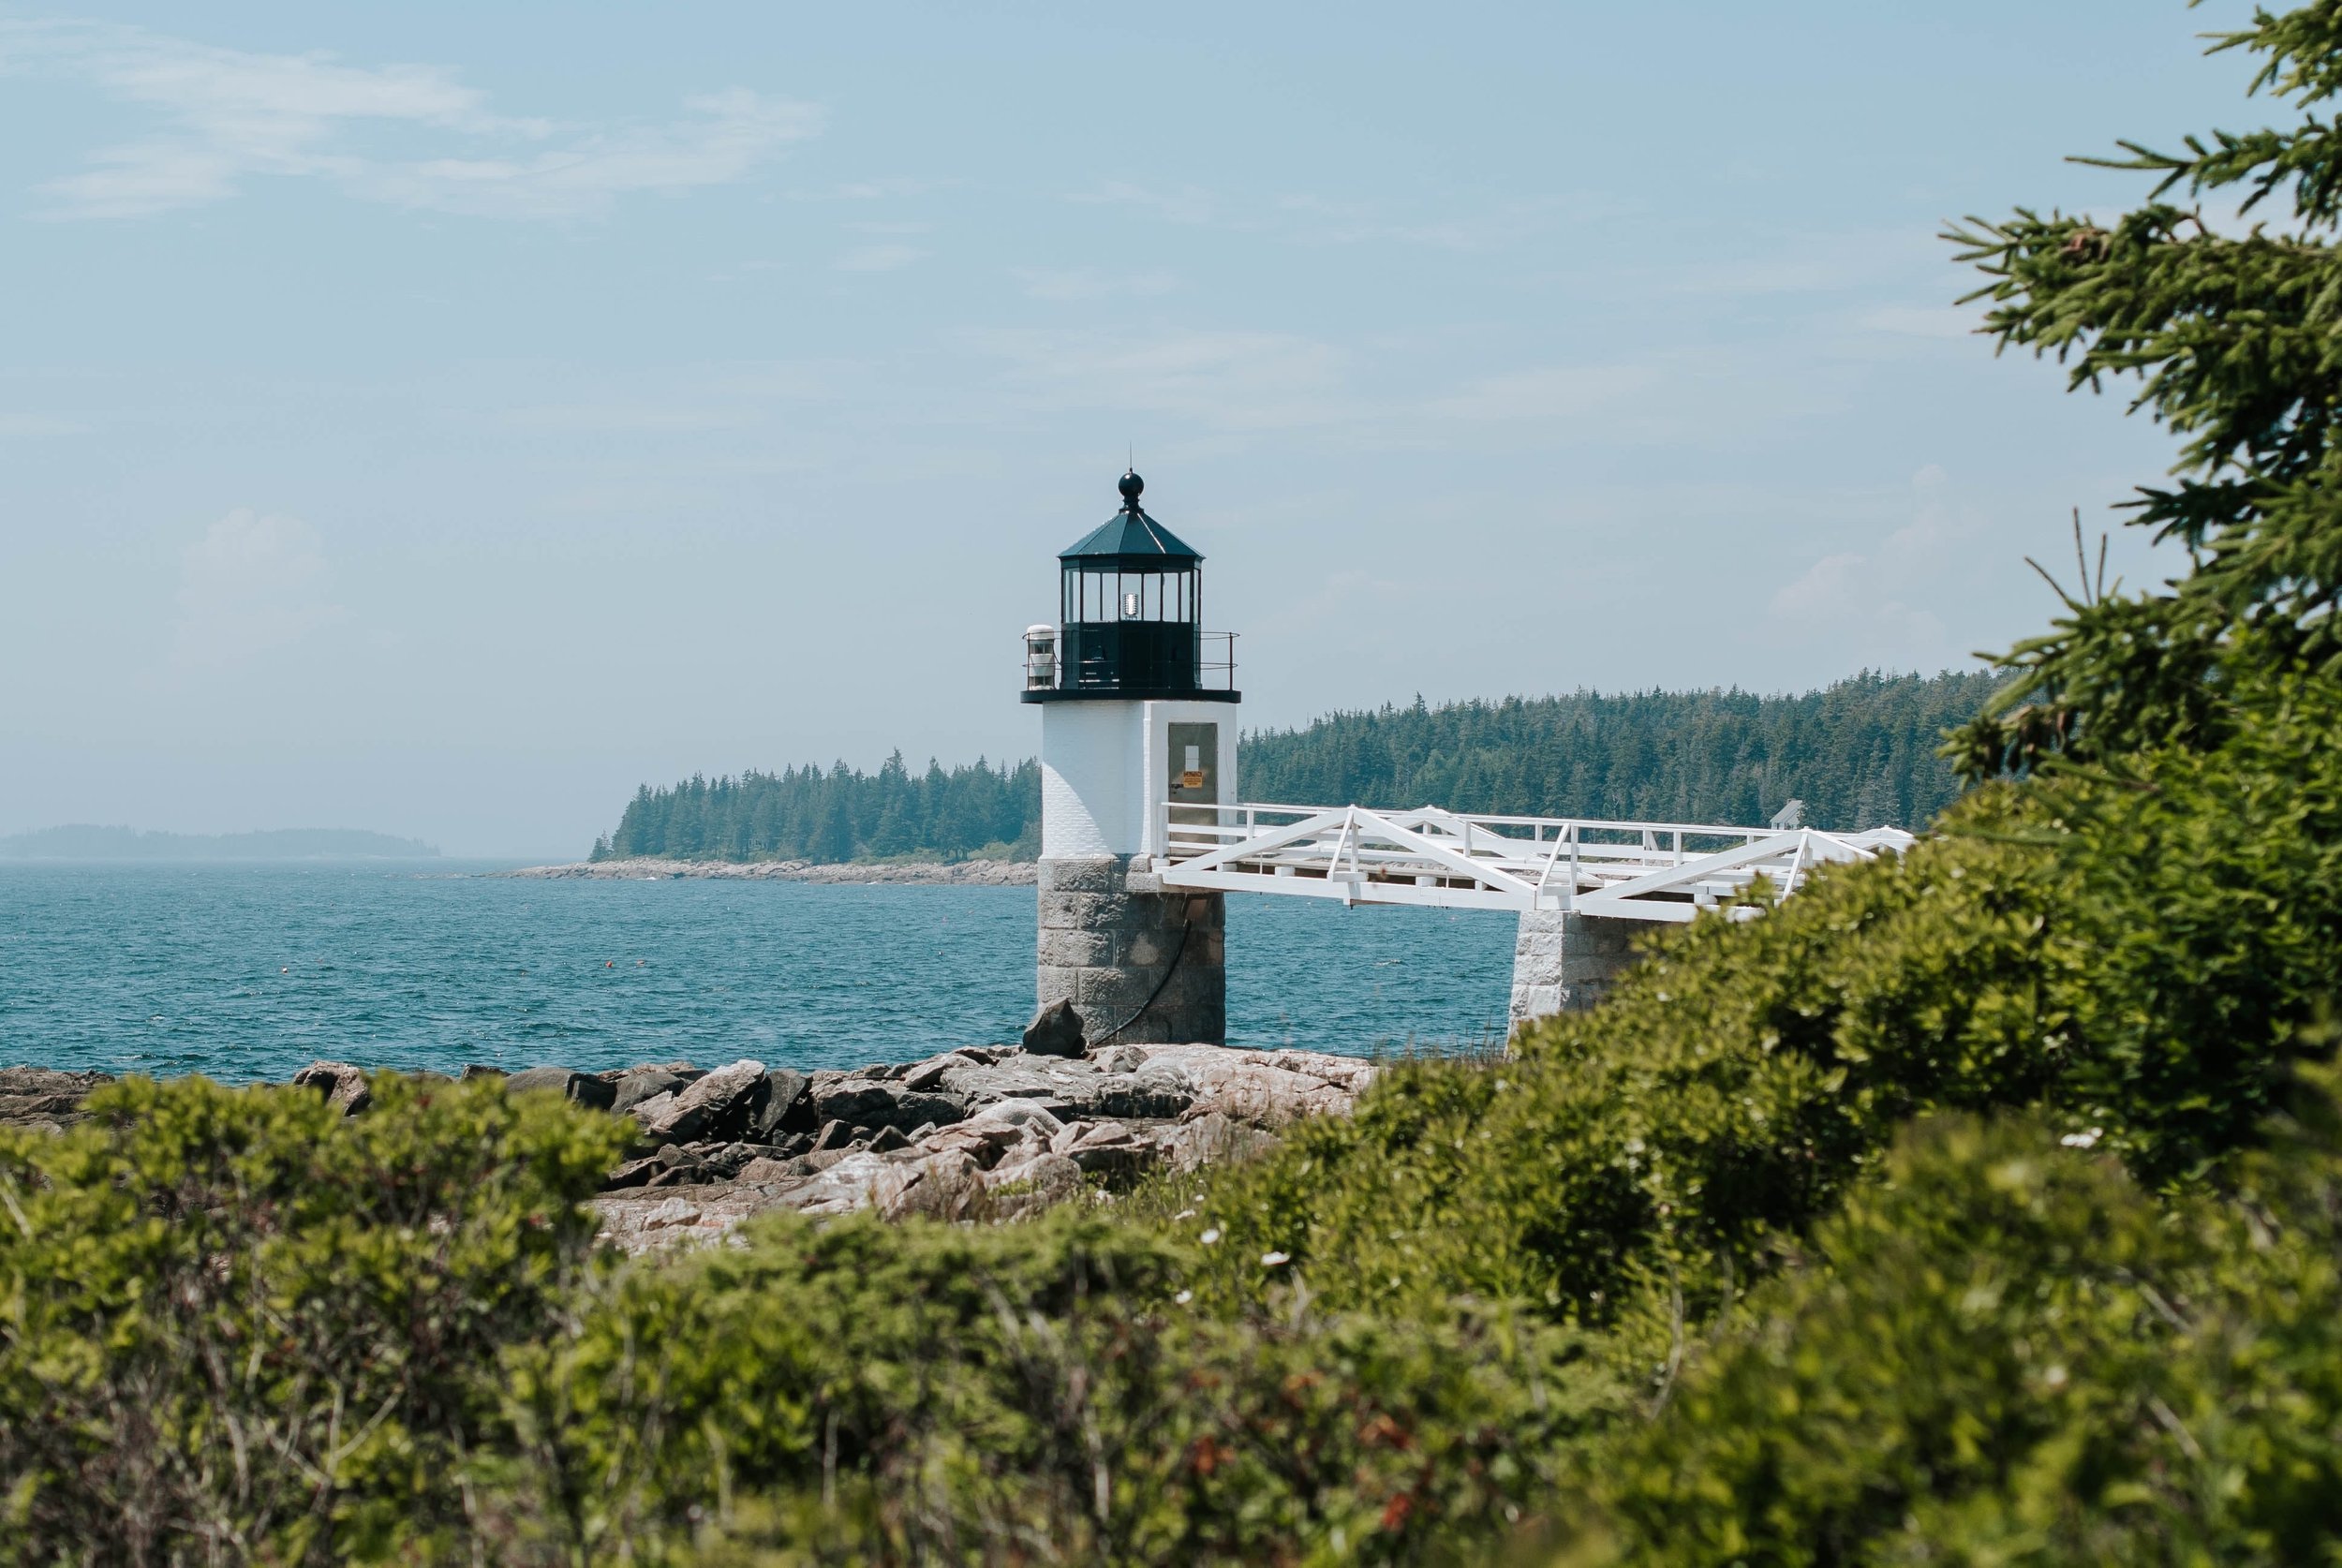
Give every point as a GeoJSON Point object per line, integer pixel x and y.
{"type": "Point", "coordinates": [1138, 734]}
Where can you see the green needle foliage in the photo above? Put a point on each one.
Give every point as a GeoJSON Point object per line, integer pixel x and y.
{"type": "Point", "coordinates": [2234, 342]}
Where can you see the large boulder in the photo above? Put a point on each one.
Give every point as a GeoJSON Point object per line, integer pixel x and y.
{"type": "Point", "coordinates": [1073, 1087]}
{"type": "Point", "coordinates": [784, 1092]}
{"type": "Point", "coordinates": [1211, 1139]}
{"type": "Point", "coordinates": [842, 1188]}
{"type": "Point", "coordinates": [341, 1084]}
{"type": "Point", "coordinates": [589, 1091]}
{"type": "Point", "coordinates": [1056, 1030]}
{"type": "Point", "coordinates": [875, 1102]}
{"type": "Point", "coordinates": [1152, 1093]}
{"type": "Point", "coordinates": [1103, 1149]}
{"type": "Point", "coordinates": [929, 1074]}
{"type": "Point", "coordinates": [1266, 1088]}
{"type": "Point", "coordinates": [43, 1096]}
{"type": "Point", "coordinates": [940, 1185]}
{"type": "Point", "coordinates": [1028, 1186]}
{"type": "Point", "coordinates": [647, 1083]}
{"type": "Point", "coordinates": [721, 1106]}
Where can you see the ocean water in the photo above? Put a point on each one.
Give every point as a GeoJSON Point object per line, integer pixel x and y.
{"type": "Point", "coordinates": [246, 972]}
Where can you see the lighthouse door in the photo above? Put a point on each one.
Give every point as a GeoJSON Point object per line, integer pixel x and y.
{"type": "Point", "coordinates": [1193, 756]}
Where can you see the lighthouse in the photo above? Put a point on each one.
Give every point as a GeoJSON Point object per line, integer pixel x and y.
{"type": "Point", "coordinates": [1137, 749]}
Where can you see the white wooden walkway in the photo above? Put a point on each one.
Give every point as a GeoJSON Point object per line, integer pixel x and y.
{"type": "Point", "coordinates": [1649, 871]}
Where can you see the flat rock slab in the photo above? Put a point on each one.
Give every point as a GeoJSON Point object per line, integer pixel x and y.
{"type": "Point", "coordinates": [1028, 1129]}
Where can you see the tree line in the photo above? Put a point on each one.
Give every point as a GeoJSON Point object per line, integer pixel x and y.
{"type": "Point", "coordinates": [843, 814]}
{"type": "Point", "coordinates": [1859, 753]}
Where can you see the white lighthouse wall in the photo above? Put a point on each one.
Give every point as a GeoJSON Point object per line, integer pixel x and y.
{"type": "Point", "coordinates": [1088, 751]}
{"type": "Point", "coordinates": [1106, 772]}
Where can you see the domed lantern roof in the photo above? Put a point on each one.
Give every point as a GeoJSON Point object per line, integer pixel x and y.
{"type": "Point", "coordinates": [1130, 540]}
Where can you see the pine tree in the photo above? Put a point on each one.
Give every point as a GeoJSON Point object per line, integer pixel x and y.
{"type": "Point", "coordinates": [2235, 343]}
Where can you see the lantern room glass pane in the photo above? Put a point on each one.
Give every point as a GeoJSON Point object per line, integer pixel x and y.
{"type": "Point", "coordinates": [1163, 597]}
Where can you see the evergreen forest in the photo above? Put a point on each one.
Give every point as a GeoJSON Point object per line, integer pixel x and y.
{"type": "Point", "coordinates": [1979, 1205]}
{"type": "Point", "coordinates": [974, 810]}
{"type": "Point", "coordinates": [1859, 753]}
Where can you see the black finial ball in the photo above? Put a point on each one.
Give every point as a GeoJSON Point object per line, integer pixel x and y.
{"type": "Point", "coordinates": [1131, 484]}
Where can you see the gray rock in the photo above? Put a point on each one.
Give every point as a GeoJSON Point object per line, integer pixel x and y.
{"type": "Point", "coordinates": [44, 1098]}
{"type": "Point", "coordinates": [1149, 1095]}
{"type": "Point", "coordinates": [943, 1186]}
{"type": "Point", "coordinates": [888, 1140]}
{"type": "Point", "coordinates": [33, 1081]}
{"type": "Point", "coordinates": [1031, 1185]}
{"type": "Point", "coordinates": [585, 1091]}
{"type": "Point", "coordinates": [1118, 1058]}
{"type": "Point", "coordinates": [646, 1084]}
{"type": "Point", "coordinates": [768, 1173]}
{"type": "Point", "coordinates": [784, 1091]}
{"type": "Point", "coordinates": [843, 1187]}
{"type": "Point", "coordinates": [864, 1101]}
{"type": "Point", "coordinates": [1056, 1030]}
{"type": "Point", "coordinates": [1104, 1148]}
{"type": "Point", "coordinates": [634, 1173]}
{"type": "Point", "coordinates": [834, 1134]}
{"type": "Point", "coordinates": [1212, 1139]}
{"type": "Point", "coordinates": [722, 1105]}
{"type": "Point", "coordinates": [868, 1102]}
{"type": "Point", "coordinates": [1019, 1115]}
{"type": "Point", "coordinates": [477, 1070]}
{"type": "Point", "coordinates": [928, 1074]}
{"type": "Point", "coordinates": [341, 1084]}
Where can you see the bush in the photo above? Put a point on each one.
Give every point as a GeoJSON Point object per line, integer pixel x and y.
{"type": "Point", "coordinates": [2133, 951]}
{"type": "Point", "coordinates": [2004, 1351]}
{"type": "Point", "coordinates": [234, 1326]}
{"type": "Point", "coordinates": [865, 1392]}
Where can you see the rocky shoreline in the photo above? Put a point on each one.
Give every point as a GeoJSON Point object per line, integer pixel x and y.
{"type": "Point", "coordinates": [979, 1133]}
{"type": "Point", "coordinates": [958, 873]}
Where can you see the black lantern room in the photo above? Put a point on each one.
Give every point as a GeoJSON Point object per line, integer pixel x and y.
{"type": "Point", "coordinates": [1130, 618]}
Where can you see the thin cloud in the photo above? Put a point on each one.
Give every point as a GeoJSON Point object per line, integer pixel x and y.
{"type": "Point", "coordinates": [1086, 283]}
{"type": "Point", "coordinates": [33, 426]}
{"type": "Point", "coordinates": [1548, 394]}
{"type": "Point", "coordinates": [227, 116]}
{"type": "Point", "coordinates": [250, 586]}
{"type": "Point", "coordinates": [1186, 205]}
{"type": "Point", "coordinates": [1940, 321]}
{"type": "Point", "coordinates": [1891, 592]}
{"type": "Point", "coordinates": [1243, 380]}
{"type": "Point", "coordinates": [879, 259]}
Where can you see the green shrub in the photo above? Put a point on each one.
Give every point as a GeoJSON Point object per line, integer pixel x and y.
{"type": "Point", "coordinates": [2206, 927]}
{"type": "Point", "coordinates": [865, 1392]}
{"type": "Point", "coordinates": [1643, 1157]}
{"type": "Point", "coordinates": [236, 1327]}
{"type": "Point", "coordinates": [2004, 1352]}
{"type": "Point", "coordinates": [2133, 951]}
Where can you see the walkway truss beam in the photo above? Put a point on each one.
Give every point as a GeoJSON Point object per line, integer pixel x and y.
{"type": "Point", "coordinates": [1650, 871]}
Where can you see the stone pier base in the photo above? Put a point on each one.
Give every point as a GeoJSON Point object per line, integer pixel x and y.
{"type": "Point", "coordinates": [1565, 962]}
{"type": "Point", "coordinates": [1110, 935]}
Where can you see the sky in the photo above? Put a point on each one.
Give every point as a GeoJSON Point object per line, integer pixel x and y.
{"type": "Point", "coordinates": [442, 419]}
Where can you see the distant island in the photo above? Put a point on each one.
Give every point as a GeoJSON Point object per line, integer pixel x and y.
{"type": "Point", "coordinates": [1860, 754]}
{"type": "Point", "coordinates": [81, 841]}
